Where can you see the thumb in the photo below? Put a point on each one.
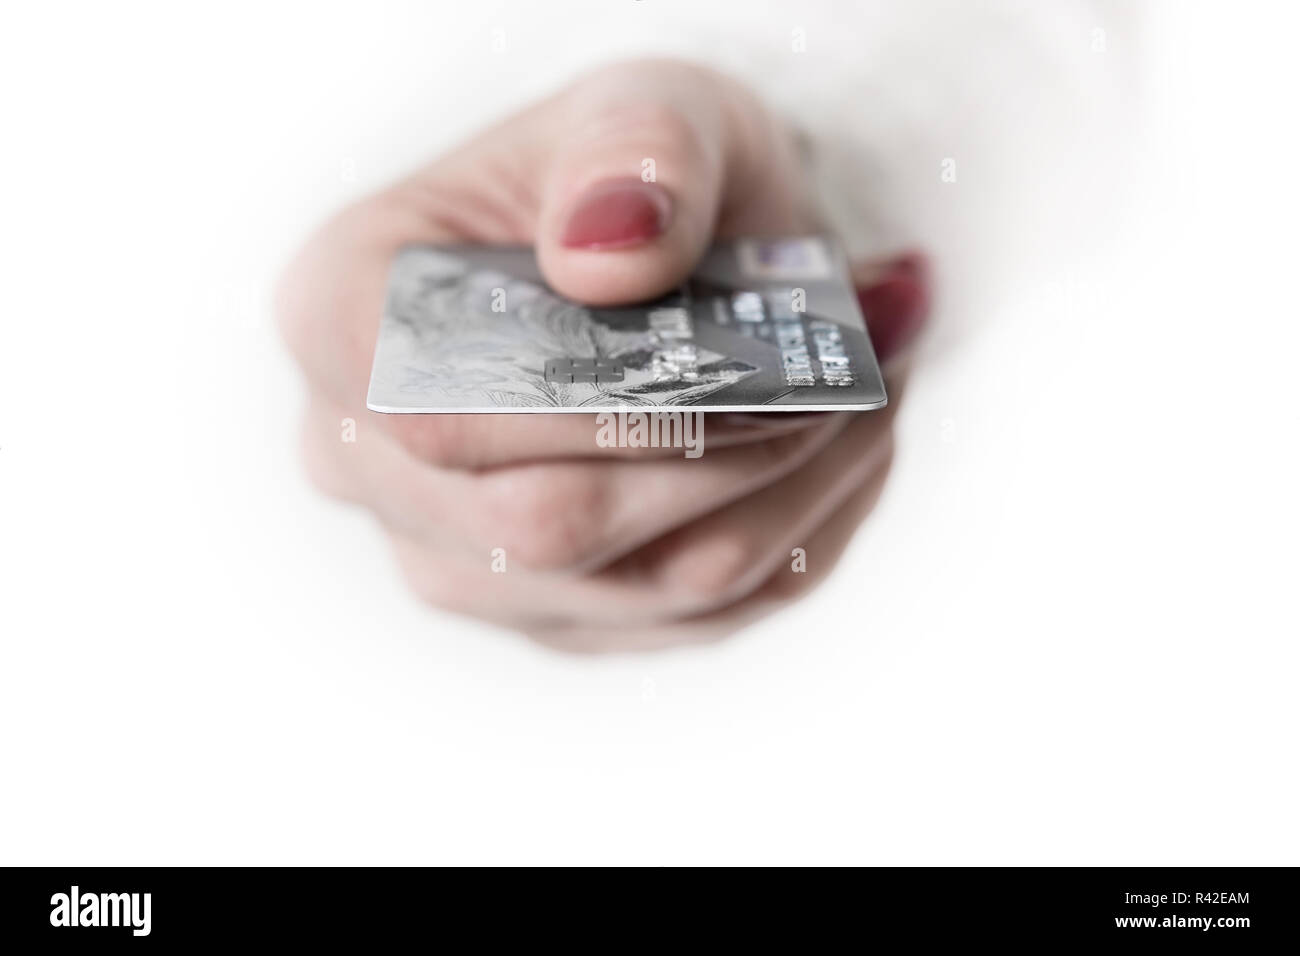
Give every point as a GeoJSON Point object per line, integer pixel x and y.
{"type": "Point", "coordinates": [632, 193]}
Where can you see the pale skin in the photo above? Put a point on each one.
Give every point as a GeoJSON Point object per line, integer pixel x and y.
{"type": "Point", "coordinates": [605, 548]}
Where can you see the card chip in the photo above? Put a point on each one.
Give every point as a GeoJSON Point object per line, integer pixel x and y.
{"type": "Point", "coordinates": [582, 371]}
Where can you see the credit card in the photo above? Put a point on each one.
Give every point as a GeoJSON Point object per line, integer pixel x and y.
{"type": "Point", "coordinates": [761, 325]}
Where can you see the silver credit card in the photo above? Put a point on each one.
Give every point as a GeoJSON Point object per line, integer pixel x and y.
{"type": "Point", "coordinates": [761, 325]}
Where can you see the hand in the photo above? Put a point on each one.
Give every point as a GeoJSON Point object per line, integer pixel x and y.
{"type": "Point", "coordinates": [604, 547]}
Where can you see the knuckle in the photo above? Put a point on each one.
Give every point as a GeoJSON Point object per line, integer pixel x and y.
{"type": "Point", "coordinates": [436, 439]}
{"type": "Point", "coordinates": [318, 299]}
{"type": "Point", "coordinates": [431, 584]}
{"type": "Point", "coordinates": [549, 518]}
{"type": "Point", "coordinates": [320, 469]}
{"type": "Point", "coordinates": [642, 122]}
{"type": "Point", "coordinates": [323, 466]}
{"type": "Point", "coordinates": [440, 591]}
{"type": "Point", "coordinates": [780, 453]}
{"type": "Point", "coordinates": [716, 571]}
{"type": "Point", "coordinates": [292, 313]}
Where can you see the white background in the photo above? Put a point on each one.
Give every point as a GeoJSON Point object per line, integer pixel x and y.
{"type": "Point", "coordinates": [1068, 634]}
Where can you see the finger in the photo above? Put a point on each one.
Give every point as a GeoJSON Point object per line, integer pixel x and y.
{"type": "Point", "coordinates": [572, 515]}
{"type": "Point", "coordinates": [707, 564]}
{"type": "Point", "coordinates": [490, 441]}
{"type": "Point", "coordinates": [783, 587]}
{"type": "Point", "coordinates": [727, 554]}
{"type": "Point", "coordinates": [894, 295]}
{"type": "Point", "coordinates": [653, 158]}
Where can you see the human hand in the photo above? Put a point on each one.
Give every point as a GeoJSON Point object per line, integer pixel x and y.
{"type": "Point", "coordinates": [604, 547]}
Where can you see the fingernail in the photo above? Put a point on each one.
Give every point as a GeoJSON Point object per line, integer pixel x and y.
{"type": "Point", "coordinates": [616, 214]}
{"type": "Point", "coordinates": [896, 305]}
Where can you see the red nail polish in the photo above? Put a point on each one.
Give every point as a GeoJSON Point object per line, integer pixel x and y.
{"type": "Point", "coordinates": [896, 306]}
{"type": "Point", "coordinates": [616, 214]}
